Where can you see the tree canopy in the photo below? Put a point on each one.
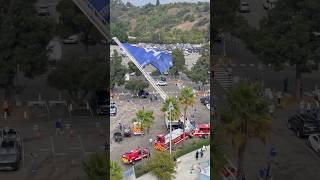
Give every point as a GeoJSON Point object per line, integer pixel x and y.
{"type": "Point", "coordinates": [96, 166]}
{"type": "Point", "coordinates": [136, 84]}
{"type": "Point", "coordinates": [117, 70]}
{"type": "Point", "coordinates": [145, 118]}
{"type": "Point", "coordinates": [115, 171]}
{"type": "Point", "coordinates": [178, 61]}
{"type": "Point", "coordinates": [285, 37]}
{"type": "Point", "coordinates": [73, 21]}
{"type": "Point", "coordinates": [161, 165]}
{"type": "Point", "coordinates": [23, 41]}
{"type": "Point", "coordinates": [79, 76]}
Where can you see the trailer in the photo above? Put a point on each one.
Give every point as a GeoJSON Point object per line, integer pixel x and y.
{"type": "Point", "coordinates": [137, 130]}
{"type": "Point", "coordinates": [162, 142]}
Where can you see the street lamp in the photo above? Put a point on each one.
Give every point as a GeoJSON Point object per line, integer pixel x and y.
{"type": "Point", "coordinates": [170, 118]}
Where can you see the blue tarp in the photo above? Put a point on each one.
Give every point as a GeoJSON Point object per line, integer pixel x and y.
{"type": "Point", "coordinates": [161, 60]}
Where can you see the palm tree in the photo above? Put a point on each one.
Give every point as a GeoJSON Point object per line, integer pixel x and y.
{"type": "Point", "coordinates": [175, 113]}
{"type": "Point", "coordinates": [145, 118]}
{"type": "Point", "coordinates": [245, 118]}
{"type": "Point", "coordinates": [115, 171]}
{"type": "Point", "coordinates": [96, 166]}
{"type": "Point", "coordinates": [187, 99]}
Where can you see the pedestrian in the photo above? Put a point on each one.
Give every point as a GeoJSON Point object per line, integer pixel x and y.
{"type": "Point", "coordinates": [279, 96]}
{"type": "Point", "coordinates": [308, 106]}
{"type": "Point", "coordinates": [301, 89]}
{"type": "Point", "coordinates": [120, 126]}
{"type": "Point", "coordinates": [201, 153]}
{"type": "Point", "coordinates": [302, 104]}
{"type": "Point", "coordinates": [197, 154]}
{"type": "Point", "coordinates": [6, 107]}
{"type": "Point", "coordinates": [271, 109]}
{"type": "Point", "coordinates": [58, 126]}
{"type": "Point", "coordinates": [285, 85]}
{"type": "Point", "coordinates": [105, 145]}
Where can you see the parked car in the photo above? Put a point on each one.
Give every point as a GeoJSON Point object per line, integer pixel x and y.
{"type": "Point", "coordinates": [10, 149]}
{"type": "Point", "coordinates": [314, 142]}
{"type": "Point", "coordinates": [113, 109]}
{"type": "Point", "coordinates": [244, 7]}
{"type": "Point", "coordinates": [205, 100]}
{"type": "Point", "coordinates": [74, 39]}
{"type": "Point", "coordinates": [304, 124]}
{"type": "Point", "coordinates": [143, 94]}
{"type": "Point", "coordinates": [118, 136]}
{"type": "Point", "coordinates": [43, 10]}
{"type": "Point", "coordinates": [162, 83]}
{"type": "Point", "coordinates": [268, 4]}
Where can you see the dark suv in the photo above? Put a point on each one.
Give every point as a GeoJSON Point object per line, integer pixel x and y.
{"type": "Point", "coordinates": [304, 124]}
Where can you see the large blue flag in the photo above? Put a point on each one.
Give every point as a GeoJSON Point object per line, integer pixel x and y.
{"type": "Point", "coordinates": [161, 60]}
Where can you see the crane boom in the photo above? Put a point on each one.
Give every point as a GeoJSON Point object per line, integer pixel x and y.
{"type": "Point", "coordinates": [146, 75]}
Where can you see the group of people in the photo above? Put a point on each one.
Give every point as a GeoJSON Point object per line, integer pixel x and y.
{"type": "Point", "coordinates": [200, 152]}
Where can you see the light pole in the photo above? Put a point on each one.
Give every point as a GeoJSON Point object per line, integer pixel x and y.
{"type": "Point", "coordinates": [170, 118]}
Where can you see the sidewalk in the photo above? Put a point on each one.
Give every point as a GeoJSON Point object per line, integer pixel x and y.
{"type": "Point", "coordinates": [184, 167]}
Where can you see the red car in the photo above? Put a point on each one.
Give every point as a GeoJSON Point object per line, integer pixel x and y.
{"type": "Point", "coordinates": [135, 155]}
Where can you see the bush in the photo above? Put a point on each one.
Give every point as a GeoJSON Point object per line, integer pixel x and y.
{"type": "Point", "coordinates": [191, 147]}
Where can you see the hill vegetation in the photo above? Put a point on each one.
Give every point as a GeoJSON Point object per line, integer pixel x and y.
{"type": "Point", "coordinates": [166, 23]}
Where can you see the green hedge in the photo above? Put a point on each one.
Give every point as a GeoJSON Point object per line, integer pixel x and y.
{"type": "Point", "coordinates": [139, 170]}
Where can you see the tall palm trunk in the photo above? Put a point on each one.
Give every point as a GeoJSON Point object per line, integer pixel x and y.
{"type": "Point", "coordinates": [240, 162]}
{"type": "Point", "coordinates": [184, 119]}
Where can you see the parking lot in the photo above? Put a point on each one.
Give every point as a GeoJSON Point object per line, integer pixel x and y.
{"type": "Point", "coordinates": [127, 111]}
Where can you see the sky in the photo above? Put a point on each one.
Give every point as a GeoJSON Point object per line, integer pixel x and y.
{"type": "Point", "coordinates": [144, 2]}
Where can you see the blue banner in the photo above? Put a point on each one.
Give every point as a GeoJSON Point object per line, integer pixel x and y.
{"type": "Point", "coordinates": [161, 60]}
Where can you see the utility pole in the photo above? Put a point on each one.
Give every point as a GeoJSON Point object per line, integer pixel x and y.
{"type": "Point", "coordinates": [170, 118]}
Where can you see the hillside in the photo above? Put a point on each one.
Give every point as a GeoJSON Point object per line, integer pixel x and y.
{"type": "Point", "coordinates": [167, 23]}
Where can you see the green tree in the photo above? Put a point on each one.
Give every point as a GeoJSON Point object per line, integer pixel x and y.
{"type": "Point", "coordinates": [23, 41]}
{"type": "Point", "coordinates": [73, 21]}
{"type": "Point", "coordinates": [245, 117]}
{"type": "Point", "coordinates": [161, 165]}
{"type": "Point", "coordinates": [96, 166]}
{"type": "Point", "coordinates": [175, 114]}
{"type": "Point", "coordinates": [145, 118]}
{"type": "Point", "coordinates": [285, 37]}
{"type": "Point", "coordinates": [157, 3]}
{"type": "Point", "coordinates": [187, 98]}
{"type": "Point", "coordinates": [133, 68]}
{"type": "Point", "coordinates": [79, 76]}
{"type": "Point", "coordinates": [200, 71]}
{"type": "Point", "coordinates": [135, 85]}
{"type": "Point", "coordinates": [115, 171]}
{"type": "Point", "coordinates": [178, 61]}
{"type": "Point", "coordinates": [117, 70]}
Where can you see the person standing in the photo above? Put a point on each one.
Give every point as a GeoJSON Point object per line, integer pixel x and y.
{"type": "Point", "coordinates": [6, 107]}
{"type": "Point", "coordinates": [308, 107]}
{"type": "Point", "coordinates": [201, 153]}
{"type": "Point", "coordinates": [58, 126]}
{"type": "Point", "coordinates": [279, 96]}
{"type": "Point", "coordinates": [197, 154]}
{"type": "Point", "coordinates": [271, 109]}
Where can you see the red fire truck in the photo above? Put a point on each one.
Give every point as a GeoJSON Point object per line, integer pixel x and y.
{"type": "Point", "coordinates": [162, 142]}
{"type": "Point", "coordinates": [201, 130]}
{"type": "Point", "coordinates": [135, 155]}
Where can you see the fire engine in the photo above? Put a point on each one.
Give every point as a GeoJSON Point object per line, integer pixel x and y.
{"type": "Point", "coordinates": [201, 130]}
{"type": "Point", "coordinates": [162, 141]}
{"type": "Point", "coordinates": [135, 155]}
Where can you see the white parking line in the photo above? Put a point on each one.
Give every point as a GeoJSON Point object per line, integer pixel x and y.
{"type": "Point", "coordinates": [81, 143]}
{"type": "Point", "coordinates": [52, 145]}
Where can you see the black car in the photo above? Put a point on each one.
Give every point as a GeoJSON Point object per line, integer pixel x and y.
{"type": "Point", "coordinates": [143, 94]}
{"type": "Point", "coordinates": [205, 100]}
{"type": "Point", "coordinates": [304, 124]}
